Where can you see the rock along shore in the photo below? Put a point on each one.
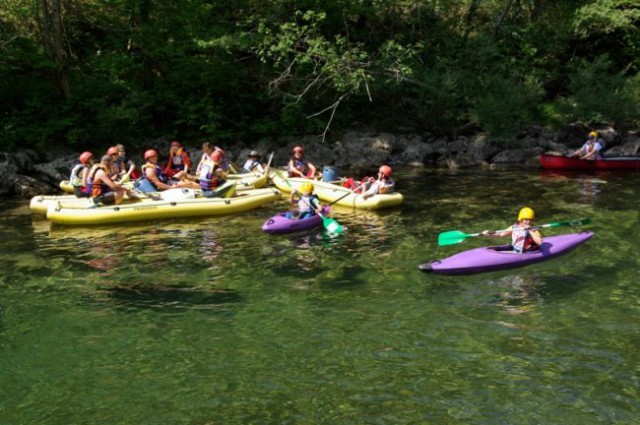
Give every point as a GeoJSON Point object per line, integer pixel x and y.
{"type": "Point", "coordinates": [26, 172]}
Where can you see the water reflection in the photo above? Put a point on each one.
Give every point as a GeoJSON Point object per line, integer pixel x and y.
{"type": "Point", "coordinates": [587, 186]}
{"type": "Point", "coordinates": [169, 298]}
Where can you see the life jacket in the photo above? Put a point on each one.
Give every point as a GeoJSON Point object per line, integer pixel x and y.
{"type": "Point", "coordinates": [308, 204]}
{"type": "Point", "coordinates": [177, 162]}
{"type": "Point", "coordinates": [387, 185]}
{"type": "Point", "coordinates": [208, 177]}
{"type": "Point", "coordinates": [250, 165]}
{"type": "Point", "coordinates": [159, 173]}
{"type": "Point", "coordinates": [76, 175]}
{"type": "Point", "coordinates": [301, 165]}
{"type": "Point", "coordinates": [521, 240]}
{"type": "Point", "coordinates": [97, 190]}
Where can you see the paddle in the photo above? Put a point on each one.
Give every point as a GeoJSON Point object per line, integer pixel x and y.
{"type": "Point", "coordinates": [455, 236]}
{"type": "Point", "coordinates": [330, 224]}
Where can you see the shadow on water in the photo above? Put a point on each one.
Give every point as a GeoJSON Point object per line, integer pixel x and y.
{"type": "Point", "coordinates": [515, 293]}
{"type": "Point", "coordinates": [169, 298]}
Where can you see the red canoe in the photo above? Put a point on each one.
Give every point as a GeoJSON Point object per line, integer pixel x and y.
{"type": "Point", "coordinates": [553, 162]}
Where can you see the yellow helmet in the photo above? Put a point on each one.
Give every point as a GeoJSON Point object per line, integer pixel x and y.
{"type": "Point", "coordinates": [593, 134]}
{"type": "Point", "coordinates": [306, 187]}
{"type": "Point", "coordinates": [526, 213]}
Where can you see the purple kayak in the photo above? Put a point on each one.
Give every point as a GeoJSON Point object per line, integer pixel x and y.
{"type": "Point", "coordinates": [279, 223]}
{"type": "Point", "coordinates": [491, 258]}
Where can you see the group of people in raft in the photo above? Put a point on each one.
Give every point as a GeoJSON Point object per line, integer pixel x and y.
{"type": "Point", "coordinates": [103, 181]}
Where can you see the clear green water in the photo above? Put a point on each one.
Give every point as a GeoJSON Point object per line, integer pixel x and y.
{"type": "Point", "coordinates": [213, 322]}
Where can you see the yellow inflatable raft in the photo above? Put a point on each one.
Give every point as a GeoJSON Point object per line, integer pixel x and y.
{"type": "Point", "coordinates": [149, 209]}
{"type": "Point", "coordinates": [329, 193]}
{"type": "Point", "coordinates": [243, 182]}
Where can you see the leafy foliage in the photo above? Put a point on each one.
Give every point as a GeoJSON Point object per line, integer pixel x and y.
{"type": "Point", "coordinates": [133, 70]}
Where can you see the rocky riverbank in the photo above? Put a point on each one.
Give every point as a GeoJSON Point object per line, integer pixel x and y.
{"type": "Point", "coordinates": [26, 173]}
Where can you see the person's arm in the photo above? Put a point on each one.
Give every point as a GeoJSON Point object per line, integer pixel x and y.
{"type": "Point", "coordinates": [85, 176]}
{"type": "Point", "coordinates": [294, 170]}
{"type": "Point", "coordinates": [372, 190]}
{"type": "Point", "coordinates": [150, 174]}
{"type": "Point", "coordinates": [497, 234]}
{"type": "Point", "coordinates": [316, 204]}
{"type": "Point", "coordinates": [188, 165]}
{"type": "Point", "coordinates": [312, 168]}
{"type": "Point", "coordinates": [292, 197]}
{"type": "Point", "coordinates": [221, 173]}
{"type": "Point", "coordinates": [103, 177]}
{"type": "Point", "coordinates": [536, 236]}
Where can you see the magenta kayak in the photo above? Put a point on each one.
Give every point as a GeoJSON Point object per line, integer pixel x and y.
{"type": "Point", "coordinates": [491, 258]}
{"type": "Point", "coordinates": [281, 224]}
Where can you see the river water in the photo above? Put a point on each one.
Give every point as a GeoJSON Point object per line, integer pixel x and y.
{"type": "Point", "coordinates": [210, 321]}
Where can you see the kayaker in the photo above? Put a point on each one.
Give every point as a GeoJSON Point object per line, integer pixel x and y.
{"type": "Point", "coordinates": [126, 164]}
{"type": "Point", "coordinates": [299, 167]}
{"type": "Point", "coordinates": [591, 148]}
{"type": "Point", "coordinates": [154, 178]}
{"type": "Point", "coordinates": [212, 175]}
{"type": "Point", "coordinates": [308, 203]}
{"type": "Point", "coordinates": [253, 164]}
{"type": "Point", "coordinates": [80, 174]}
{"type": "Point", "coordinates": [179, 162]}
{"type": "Point", "coordinates": [103, 189]}
{"type": "Point", "coordinates": [524, 238]}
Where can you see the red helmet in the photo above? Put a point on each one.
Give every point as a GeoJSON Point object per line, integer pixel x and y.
{"type": "Point", "coordinates": [113, 150]}
{"type": "Point", "coordinates": [385, 170]}
{"type": "Point", "coordinates": [298, 149]}
{"type": "Point", "coordinates": [217, 155]}
{"type": "Point", "coordinates": [84, 157]}
{"type": "Point", "coordinates": [176, 144]}
{"type": "Point", "coordinates": [148, 154]}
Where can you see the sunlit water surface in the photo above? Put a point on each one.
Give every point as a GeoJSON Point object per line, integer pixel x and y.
{"type": "Point", "coordinates": [211, 321]}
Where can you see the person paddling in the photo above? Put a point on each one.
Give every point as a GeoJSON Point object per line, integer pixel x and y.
{"type": "Point", "coordinates": [591, 148]}
{"type": "Point", "coordinates": [308, 203]}
{"type": "Point", "coordinates": [524, 238]}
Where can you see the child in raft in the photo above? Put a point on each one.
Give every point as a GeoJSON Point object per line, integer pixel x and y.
{"type": "Point", "coordinates": [524, 238]}
{"type": "Point", "coordinates": [308, 203]}
{"type": "Point", "coordinates": [298, 166]}
{"type": "Point", "coordinates": [370, 186]}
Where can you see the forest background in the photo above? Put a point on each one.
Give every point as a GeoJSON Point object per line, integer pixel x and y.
{"type": "Point", "coordinates": [87, 73]}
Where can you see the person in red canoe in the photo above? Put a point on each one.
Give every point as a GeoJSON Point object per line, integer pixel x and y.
{"type": "Point", "coordinates": [591, 148]}
{"type": "Point", "coordinates": [524, 238]}
{"type": "Point", "coordinates": [300, 167]}
{"type": "Point", "coordinates": [179, 162]}
{"type": "Point", "coordinates": [370, 186]}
